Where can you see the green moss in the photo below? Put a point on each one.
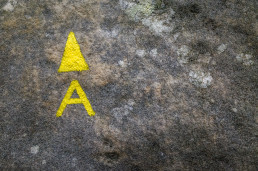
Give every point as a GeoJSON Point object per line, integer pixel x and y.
{"type": "Point", "coordinates": [142, 9]}
{"type": "Point", "coordinates": [158, 4]}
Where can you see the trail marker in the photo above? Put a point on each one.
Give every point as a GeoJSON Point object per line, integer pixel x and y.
{"type": "Point", "coordinates": [73, 61]}
{"type": "Point", "coordinates": [72, 58]}
{"type": "Point", "coordinates": [68, 100]}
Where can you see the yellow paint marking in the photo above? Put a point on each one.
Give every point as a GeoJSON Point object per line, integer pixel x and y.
{"type": "Point", "coordinates": [82, 99]}
{"type": "Point", "coordinates": [72, 58]}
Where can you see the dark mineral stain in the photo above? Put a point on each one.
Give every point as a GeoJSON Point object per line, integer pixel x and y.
{"type": "Point", "coordinates": [86, 25]}
{"type": "Point", "coordinates": [1, 81]}
{"type": "Point", "coordinates": [189, 10]}
{"type": "Point", "coordinates": [193, 58]}
{"type": "Point", "coordinates": [107, 142]}
{"type": "Point", "coordinates": [135, 168]}
{"type": "Point", "coordinates": [2, 3]}
{"type": "Point", "coordinates": [195, 9]}
{"type": "Point", "coordinates": [201, 46]}
{"type": "Point", "coordinates": [112, 155]}
{"type": "Point", "coordinates": [47, 12]}
{"type": "Point", "coordinates": [155, 145]}
{"type": "Point", "coordinates": [108, 24]}
{"type": "Point", "coordinates": [210, 23]}
{"type": "Point", "coordinates": [242, 30]}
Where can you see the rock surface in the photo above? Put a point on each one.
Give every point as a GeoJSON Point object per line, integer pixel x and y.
{"type": "Point", "coordinates": [173, 84]}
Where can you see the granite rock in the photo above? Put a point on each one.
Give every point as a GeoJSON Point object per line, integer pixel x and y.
{"type": "Point", "coordinates": [173, 84]}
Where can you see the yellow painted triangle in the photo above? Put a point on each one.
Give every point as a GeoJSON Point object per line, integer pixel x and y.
{"type": "Point", "coordinates": [72, 58]}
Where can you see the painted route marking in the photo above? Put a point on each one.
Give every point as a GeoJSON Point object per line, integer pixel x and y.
{"type": "Point", "coordinates": [82, 99]}
{"type": "Point", "coordinates": [72, 58]}
{"type": "Point", "coordinates": [73, 61]}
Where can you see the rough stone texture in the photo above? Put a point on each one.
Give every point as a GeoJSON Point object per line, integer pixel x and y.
{"type": "Point", "coordinates": [173, 84]}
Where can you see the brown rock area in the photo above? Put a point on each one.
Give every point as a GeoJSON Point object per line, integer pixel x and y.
{"type": "Point", "coordinates": [173, 84]}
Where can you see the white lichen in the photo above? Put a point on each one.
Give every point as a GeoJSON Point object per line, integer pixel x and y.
{"type": "Point", "coordinates": [157, 26]}
{"type": "Point", "coordinates": [205, 59]}
{"type": "Point", "coordinates": [74, 162]}
{"type": "Point", "coordinates": [200, 79]}
{"type": "Point", "coordinates": [110, 34]}
{"type": "Point", "coordinates": [115, 32]}
{"type": "Point", "coordinates": [154, 52]}
{"type": "Point", "coordinates": [121, 112]}
{"type": "Point", "coordinates": [245, 59]}
{"type": "Point", "coordinates": [183, 54]}
{"type": "Point", "coordinates": [34, 149]}
{"type": "Point", "coordinates": [175, 36]}
{"type": "Point", "coordinates": [140, 52]}
{"type": "Point", "coordinates": [121, 63]}
{"type": "Point", "coordinates": [222, 48]}
{"type": "Point", "coordinates": [131, 102]}
{"type": "Point", "coordinates": [234, 110]}
{"type": "Point", "coordinates": [142, 11]}
{"type": "Point", "coordinates": [8, 6]}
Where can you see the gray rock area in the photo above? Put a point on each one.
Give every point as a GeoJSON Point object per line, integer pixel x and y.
{"type": "Point", "coordinates": [173, 84]}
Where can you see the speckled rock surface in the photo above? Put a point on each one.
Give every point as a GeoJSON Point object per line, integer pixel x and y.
{"type": "Point", "coordinates": [173, 84]}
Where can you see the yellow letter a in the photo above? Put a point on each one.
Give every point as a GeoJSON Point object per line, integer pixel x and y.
{"type": "Point", "coordinates": [82, 99]}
